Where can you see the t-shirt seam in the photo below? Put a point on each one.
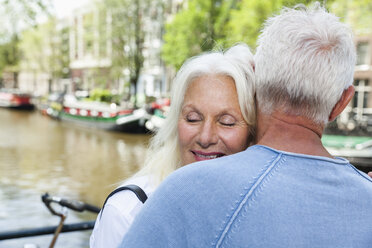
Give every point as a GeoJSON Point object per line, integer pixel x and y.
{"type": "Point", "coordinates": [245, 199]}
{"type": "Point", "coordinates": [359, 173]}
{"type": "Point", "coordinates": [335, 160]}
{"type": "Point", "coordinates": [341, 162]}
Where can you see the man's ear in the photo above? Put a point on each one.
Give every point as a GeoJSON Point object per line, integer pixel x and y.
{"type": "Point", "coordinates": [346, 97]}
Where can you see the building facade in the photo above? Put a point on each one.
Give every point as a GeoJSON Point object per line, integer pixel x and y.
{"type": "Point", "coordinates": [93, 52]}
{"type": "Point", "coordinates": [358, 115]}
{"type": "Point", "coordinates": [45, 62]}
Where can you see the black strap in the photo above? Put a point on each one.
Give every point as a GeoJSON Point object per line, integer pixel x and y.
{"type": "Point", "coordinates": [141, 195]}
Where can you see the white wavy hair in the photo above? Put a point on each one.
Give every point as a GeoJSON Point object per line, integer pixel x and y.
{"type": "Point", "coordinates": [163, 156]}
{"type": "Point", "coordinates": [304, 61]}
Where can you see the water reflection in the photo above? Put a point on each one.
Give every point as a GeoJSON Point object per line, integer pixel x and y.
{"type": "Point", "coordinates": [38, 154]}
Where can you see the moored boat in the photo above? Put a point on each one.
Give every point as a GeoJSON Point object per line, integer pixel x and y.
{"type": "Point", "coordinates": [156, 121]}
{"type": "Point", "coordinates": [158, 111]}
{"type": "Point", "coordinates": [357, 149]}
{"type": "Point", "coordinates": [50, 102]}
{"type": "Point", "coordinates": [100, 115]}
{"type": "Point", "coordinates": [13, 98]}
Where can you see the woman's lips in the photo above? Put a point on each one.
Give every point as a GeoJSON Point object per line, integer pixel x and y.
{"type": "Point", "coordinates": [200, 156]}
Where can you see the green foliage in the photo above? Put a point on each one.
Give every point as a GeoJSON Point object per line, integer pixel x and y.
{"type": "Point", "coordinates": [20, 14]}
{"type": "Point", "coordinates": [17, 15]}
{"type": "Point", "coordinates": [184, 38]}
{"type": "Point", "coordinates": [216, 24]}
{"type": "Point", "coordinates": [32, 46]}
{"type": "Point", "coordinates": [195, 29]}
{"type": "Point", "coordinates": [100, 95]}
{"type": "Point", "coordinates": [10, 55]}
{"type": "Point", "coordinates": [127, 37]}
{"type": "Point", "coordinates": [44, 50]}
{"type": "Point", "coordinates": [356, 13]}
{"type": "Point", "coordinates": [246, 22]}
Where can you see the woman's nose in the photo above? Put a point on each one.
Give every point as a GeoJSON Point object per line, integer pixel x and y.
{"type": "Point", "coordinates": [208, 135]}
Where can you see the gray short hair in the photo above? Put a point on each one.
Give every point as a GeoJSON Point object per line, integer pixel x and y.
{"type": "Point", "coordinates": [304, 61]}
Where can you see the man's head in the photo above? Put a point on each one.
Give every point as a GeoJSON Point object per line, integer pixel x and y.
{"type": "Point", "coordinates": [304, 61]}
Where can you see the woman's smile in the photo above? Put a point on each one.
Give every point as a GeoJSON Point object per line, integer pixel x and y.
{"type": "Point", "coordinates": [200, 156]}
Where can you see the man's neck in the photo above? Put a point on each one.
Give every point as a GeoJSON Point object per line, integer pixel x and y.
{"type": "Point", "coordinates": [295, 134]}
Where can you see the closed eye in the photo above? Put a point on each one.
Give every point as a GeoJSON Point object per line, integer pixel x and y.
{"type": "Point", "coordinates": [227, 120]}
{"type": "Point", "coordinates": [193, 117]}
{"type": "Point", "coordinates": [228, 124]}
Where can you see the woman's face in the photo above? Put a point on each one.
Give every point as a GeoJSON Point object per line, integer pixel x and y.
{"type": "Point", "coordinates": [211, 124]}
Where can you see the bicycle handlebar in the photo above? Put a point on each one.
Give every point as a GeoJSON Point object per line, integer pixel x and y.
{"type": "Point", "coordinates": [72, 204]}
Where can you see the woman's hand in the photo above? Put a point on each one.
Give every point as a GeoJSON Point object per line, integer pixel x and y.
{"type": "Point", "coordinates": [370, 174]}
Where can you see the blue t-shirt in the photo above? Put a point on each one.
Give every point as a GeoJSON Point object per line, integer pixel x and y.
{"type": "Point", "coordinates": [258, 198]}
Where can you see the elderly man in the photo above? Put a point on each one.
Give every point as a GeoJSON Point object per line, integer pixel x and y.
{"type": "Point", "coordinates": [286, 191]}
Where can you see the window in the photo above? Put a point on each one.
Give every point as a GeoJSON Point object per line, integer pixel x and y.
{"type": "Point", "coordinates": [362, 101]}
{"type": "Point", "coordinates": [363, 53]}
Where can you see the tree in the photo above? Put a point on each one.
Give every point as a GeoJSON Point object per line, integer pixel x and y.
{"type": "Point", "coordinates": [16, 15]}
{"type": "Point", "coordinates": [32, 46]}
{"type": "Point", "coordinates": [44, 50]}
{"type": "Point", "coordinates": [206, 25]}
{"type": "Point", "coordinates": [10, 56]}
{"type": "Point", "coordinates": [198, 27]}
{"type": "Point", "coordinates": [127, 37]}
{"type": "Point", "coordinates": [247, 20]}
{"type": "Point", "coordinates": [356, 13]}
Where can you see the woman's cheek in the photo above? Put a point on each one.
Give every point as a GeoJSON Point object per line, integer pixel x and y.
{"type": "Point", "coordinates": [235, 139]}
{"type": "Point", "coordinates": [185, 132]}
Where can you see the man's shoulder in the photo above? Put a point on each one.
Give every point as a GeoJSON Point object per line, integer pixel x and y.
{"type": "Point", "coordinates": [240, 167]}
{"type": "Point", "coordinates": [250, 159]}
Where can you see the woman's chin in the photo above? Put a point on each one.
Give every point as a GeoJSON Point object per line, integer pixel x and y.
{"type": "Point", "coordinates": [202, 159]}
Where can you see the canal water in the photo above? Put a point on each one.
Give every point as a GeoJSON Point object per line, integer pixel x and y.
{"type": "Point", "coordinates": [39, 154]}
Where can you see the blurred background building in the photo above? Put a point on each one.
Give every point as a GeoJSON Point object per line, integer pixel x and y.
{"type": "Point", "coordinates": [133, 48]}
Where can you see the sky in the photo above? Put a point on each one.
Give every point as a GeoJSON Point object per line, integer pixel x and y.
{"type": "Point", "coordinates": [64, 7]}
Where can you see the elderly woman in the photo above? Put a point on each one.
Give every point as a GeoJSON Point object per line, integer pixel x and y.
{"type": "Point", "coordinates": [212, 115]}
